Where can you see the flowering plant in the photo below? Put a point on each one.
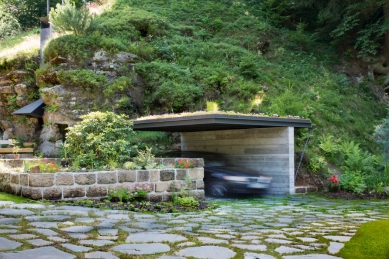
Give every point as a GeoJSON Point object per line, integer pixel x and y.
{"type": "Point", "coordinates": [44, 166]}
{"type": "Point", "coordinates": [141, 190]}
{"type": "Point", "coordinates": [333, 183]}
{"type": "Point", "coordinates": [184, 163]}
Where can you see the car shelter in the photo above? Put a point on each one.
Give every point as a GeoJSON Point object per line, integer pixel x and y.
{"type": "Point", "coordinates": [265, 144]}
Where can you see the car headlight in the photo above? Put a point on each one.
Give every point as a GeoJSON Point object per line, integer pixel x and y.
{"type": "Point", "coordinates": [236, 178]}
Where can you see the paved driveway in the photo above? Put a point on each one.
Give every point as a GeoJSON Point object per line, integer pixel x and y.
{"type": "Point", "coordinates": [288, 227]}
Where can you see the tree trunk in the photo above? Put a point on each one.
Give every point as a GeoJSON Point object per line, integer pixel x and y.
{"type": "Point", "coordinates": [386, 37]}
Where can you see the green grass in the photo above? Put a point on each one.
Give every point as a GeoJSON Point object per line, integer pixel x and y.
{"type": "Point", "coordinates": [11, 42]}
{"type": "Point", "coordinates": [9, 197]}
{"type": "Point", "coordinates": [370, 242]}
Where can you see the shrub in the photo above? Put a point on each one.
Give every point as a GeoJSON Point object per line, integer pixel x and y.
{"type": "Point", "coordinates": [144, 159]}
{"type": "Point", "coordinates": [186, 201]}
{"type": "Point", "coordinates": [352, 181]}
{"type": "Point", "coordinates": [9, 26]}
{"type": "Point", "coordinates": [177, 96]}
{"type": "Point", "coordinates": [132, 23]}
{"type": "Point", "coordinates": [84, 78]}
{"type": "Point", "coordinates": [67, 17]}
{"type": "Point", "coordinates": [100, 138]}
{"type": "Point", "coordinates": [127, 193]}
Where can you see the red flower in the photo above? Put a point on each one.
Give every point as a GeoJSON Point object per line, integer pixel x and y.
{"type": "Point", "coordinates": [333, 179]}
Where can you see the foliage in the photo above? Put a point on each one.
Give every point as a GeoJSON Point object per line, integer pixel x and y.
{"type": "Point", "coordinates": [9, 26]}
{"type": "Point", "coordinates": [144, 158]}
{"type": "Point", "coordinates": [122, 193]}
{"type": "Point", "coordinates": [99, 138]}
{"type": "Point", "coordinates": [352, 182]}
{"type": "Point", "coordinates": [369, 242]}
{"type": "Point", "coordinates": [317, 162]}
{"type": "Point", "coordinates": [119, 85]}
{"type": "Point", "coordinates": [84, 78]}
{"type": "Point", "coordinates": [127, 192]}
{"type": "Point", "coordinates": [67, 17]}
{"type": "Point", "coordinates": [27, 12]}
{"type": "Point", "coordinates": [81, 48]}
{"type": "Point", "coordinates": [186, 201]}
{"type": "Point", "coordinates": [51, 108]}
{"type": "Point", "coordinates": [132, 23]}
{"type": "Point", "coordinates": [157, 141]}
{"type": "Point", "coordinates": [178, 97]}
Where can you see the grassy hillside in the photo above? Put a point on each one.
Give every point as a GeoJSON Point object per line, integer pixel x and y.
{"type": "Point", "coordinates": [228, 52]}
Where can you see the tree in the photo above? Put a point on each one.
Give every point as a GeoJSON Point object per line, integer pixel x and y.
{"type": "Point", "coordinates": [9, 26]}
{"type": "Point", "coordinates": [381, 134]}
{"type": "Point", "coordinates": [67, 17]}
{"type": "Point", "coordinates": [28, 12]}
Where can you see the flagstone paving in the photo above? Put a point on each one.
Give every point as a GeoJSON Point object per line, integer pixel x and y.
{"type": "Point", "coordinates": [293, 227]}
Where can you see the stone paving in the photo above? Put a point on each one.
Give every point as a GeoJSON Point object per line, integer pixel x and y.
{"type": "Point", "coordinates": [267, 228]}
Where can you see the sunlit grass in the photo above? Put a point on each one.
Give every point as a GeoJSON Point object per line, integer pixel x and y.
{"type": "Point", "coordinates": [10, 197]}
{"type": "Point", "coordinates": [370, 242]}
{"type": "Point", "coordinates": [26, 43]}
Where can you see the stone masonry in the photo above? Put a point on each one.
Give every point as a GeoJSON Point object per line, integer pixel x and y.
{"type": "Point", "coordinates": [92, 185]}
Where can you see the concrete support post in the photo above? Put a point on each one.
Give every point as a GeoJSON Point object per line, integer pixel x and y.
{"type": "Point", "coordinates": [290, 139]}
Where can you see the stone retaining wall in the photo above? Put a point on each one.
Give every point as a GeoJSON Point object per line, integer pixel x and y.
{"type": "Point", "coordinates": [93, 185]}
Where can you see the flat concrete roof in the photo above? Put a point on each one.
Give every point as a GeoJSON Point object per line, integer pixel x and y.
{"type": "Point", "coordinates": [210, 122]}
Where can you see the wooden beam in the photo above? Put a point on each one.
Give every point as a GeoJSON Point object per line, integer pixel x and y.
{"type": "Point", "coordinates": [21, 150]}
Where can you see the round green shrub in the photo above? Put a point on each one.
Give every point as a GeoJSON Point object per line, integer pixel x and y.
{"type": "Point", "coordinates": [101, 139]}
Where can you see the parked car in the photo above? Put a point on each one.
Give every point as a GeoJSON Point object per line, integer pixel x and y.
{"type": "Point", "coordinates": [221, 181]}
{"type": "Point", "coordinates": [223, 178]}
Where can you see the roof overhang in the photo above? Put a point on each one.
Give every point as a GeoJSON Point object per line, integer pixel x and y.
{"type": "Point", "coordinates": [211, 122]}
{"type": "Point", "coordinates": [34, 109]}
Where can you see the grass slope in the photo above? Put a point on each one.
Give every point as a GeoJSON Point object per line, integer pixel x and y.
{"type": "Point", "coordinates": [231, 53]}
{"type": "Point", "coordinates": [370, 242]}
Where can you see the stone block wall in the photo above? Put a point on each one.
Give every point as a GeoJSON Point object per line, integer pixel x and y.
{"type": "Point", "coordinates": [92, 185]}
{"type": "Point", "coordinates": [270, 151]}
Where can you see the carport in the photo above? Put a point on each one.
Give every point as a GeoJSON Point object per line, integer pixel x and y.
{"type": "Point", "coordinates": [262, 143]}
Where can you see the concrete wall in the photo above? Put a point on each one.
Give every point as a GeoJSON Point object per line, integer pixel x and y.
{"type": "Point", "coordinates": [93, 185]}
{"type": "Point", "coordinates": [270, 151]}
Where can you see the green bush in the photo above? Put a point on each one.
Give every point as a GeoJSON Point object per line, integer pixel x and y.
{"type": "Point", "coordinates": [9, 26]}
{"type": "Point", "coordinates": [186, 201]}
{"type": "Point", "coordinates": [370, 242]}
{"type": "Point", "coordinates": [67, 18]}
{"type": "Point", "coordinates": [99, 139]}
{"type": "Point", "coordinates": [352, 182]}
{"type": "Point", "coordinates": [178, 97]}
{"type": "Point", "coordinates": [84, 78]}
{"type": "Point", "coordinates": [132, 23]}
